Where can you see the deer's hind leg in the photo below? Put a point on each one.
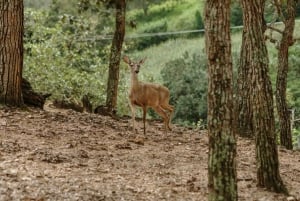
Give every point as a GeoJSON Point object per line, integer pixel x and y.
{"type": "Point", "coordinates": [170, 110]}
{"type": "Point", "coordinates": [163, 114]}
{"type": "Point", "coordinates": [144, 118]}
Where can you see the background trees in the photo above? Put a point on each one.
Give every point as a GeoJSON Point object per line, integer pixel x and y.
{"type": "Point", "coordinates": [11, 52]}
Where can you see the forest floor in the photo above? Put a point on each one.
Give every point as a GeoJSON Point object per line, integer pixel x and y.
{"type": "Point", "coordinates": [56, 154]}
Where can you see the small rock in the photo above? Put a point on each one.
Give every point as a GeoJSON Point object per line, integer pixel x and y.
{"type": "Point", "coordinates": [291, 198]}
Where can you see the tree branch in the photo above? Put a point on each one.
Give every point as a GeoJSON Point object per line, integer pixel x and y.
{"type": "Point", "coordinates": [275, 29]}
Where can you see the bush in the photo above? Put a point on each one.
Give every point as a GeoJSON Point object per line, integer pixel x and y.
{"type": "Point", "coordinates": [187, 80]}
{"type": "Point", "coordinates": [199, 20]}
{"type": "Point", "coordinates": [57, 62]}
{"type": "Point", "coordinates": [236, 16]}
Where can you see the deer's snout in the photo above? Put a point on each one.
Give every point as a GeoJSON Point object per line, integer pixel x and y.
{"type": "Point", "coordinates": [136, 71]}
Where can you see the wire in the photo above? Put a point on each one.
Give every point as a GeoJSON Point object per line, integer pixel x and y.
{"type": "Point", "coordinates": [143, 35]}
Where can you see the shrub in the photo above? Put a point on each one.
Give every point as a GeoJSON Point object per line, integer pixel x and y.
{"type": "Point", "coordinates": [186, 79]}
{"type": "Point", "coordinates": [236, 15]}
{"type": "Point", "coordinates": [57, 62]}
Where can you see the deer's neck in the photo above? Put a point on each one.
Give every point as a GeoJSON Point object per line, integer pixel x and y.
{"type": "Point", "coordinates": [134, 81]}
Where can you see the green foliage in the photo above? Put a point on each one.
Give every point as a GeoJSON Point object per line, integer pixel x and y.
{"type": "Point", "coordinates": [293, 90]}
{"type": "Point", "coordinates": [298, 9]}
{"type": "Point", "coordinates": [37, 3]}
{"type": "Point", "coordinates": [59, 60]}
{"type": "Point", "coordinates": [236, 16]}
{"type": "Point", "coordinates": [186, 79]}
{"type": "Point", "coordinates": [199, 20]}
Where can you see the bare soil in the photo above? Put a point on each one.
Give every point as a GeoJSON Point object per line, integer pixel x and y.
{"type": "Point", "coordinates": [56, 154]}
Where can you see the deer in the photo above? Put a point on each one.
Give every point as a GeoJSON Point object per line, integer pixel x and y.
{"type": "Point", "coordinates": [145, 95]}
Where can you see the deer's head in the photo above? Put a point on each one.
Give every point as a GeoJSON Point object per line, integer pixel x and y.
{"type": "Point", "coordinates": [134, 66]}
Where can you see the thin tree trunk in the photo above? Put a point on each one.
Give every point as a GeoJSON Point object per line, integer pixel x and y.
{"type": "Point", "coordinates": [222, 182]}
{"type": "Point", "coordinates": [11, 51]}
{"type": "Point", "coordinates": [244, 113]}
{"type": "Point", "coordinates": [115, 56]}
{"type": "Point", "coordinates": [261, 97]}
{"type": "Point", "coordinates": [283, 65]}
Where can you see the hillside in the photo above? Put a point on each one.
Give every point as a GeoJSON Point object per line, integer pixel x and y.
{"type": "Point", "coordinates": [64, 155]}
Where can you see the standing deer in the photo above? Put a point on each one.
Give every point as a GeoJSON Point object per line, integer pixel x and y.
{"type": "Point", "coordinates": [148, 95]}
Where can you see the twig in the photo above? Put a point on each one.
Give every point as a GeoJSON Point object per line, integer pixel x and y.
{"type": "Point", "coordinates": [275, 29]}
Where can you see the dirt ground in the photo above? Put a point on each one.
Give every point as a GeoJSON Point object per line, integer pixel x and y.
{"type": "Point", "coordinates": [65, 155]}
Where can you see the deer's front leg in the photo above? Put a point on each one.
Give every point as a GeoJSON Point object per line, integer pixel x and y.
{"type": "Point", "coordinates": [132, 107]}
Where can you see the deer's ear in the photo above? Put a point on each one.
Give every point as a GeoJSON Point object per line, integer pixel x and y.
{"type": "Point", "coordinates": [126, 59]}
{"type": "Point", "coordinates": [142, 61]}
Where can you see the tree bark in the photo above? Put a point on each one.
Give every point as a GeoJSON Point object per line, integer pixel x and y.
{"type": "Point", "coordinates": [11, 51]}
{"type": "Point", "coordinates": [243, 109]}
{"type": "Point", "coordinates": [222, 181]}
{"type": "Point", "coordinates": [261, 97]}
{"type": "Point", "coordinates": [281, 82]}
{"type": "Point", "coordinates": [115, 56]}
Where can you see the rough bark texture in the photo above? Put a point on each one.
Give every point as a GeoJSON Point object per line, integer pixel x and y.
{"type": "Point", "coordinates": [115, 56]}
{"type": "Point", "coordinates": [244, 113]}
{"type": "Point", "coordinates": [222, 144]}
{"type": "Point", "coordinates": [11, 51]}
{"type": "Point", "coordinates": [261, 97]}
{"type": "Point", "coordinates": [281, 82]}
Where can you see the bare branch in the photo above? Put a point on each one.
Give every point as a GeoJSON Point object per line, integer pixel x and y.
{"type": "Point", "coordinates": [275, 29]}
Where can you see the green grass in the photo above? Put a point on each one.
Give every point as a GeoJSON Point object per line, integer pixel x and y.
{"type": "Point", "coordinates": [158, 56]}
{"type": "Point", "coordinates": [179, 16]}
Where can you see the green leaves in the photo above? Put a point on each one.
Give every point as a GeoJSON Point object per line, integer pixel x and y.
{"type": "Point", "coordinates": [186, 78]}
{"type": "Point", "coordinates": [57, 62]}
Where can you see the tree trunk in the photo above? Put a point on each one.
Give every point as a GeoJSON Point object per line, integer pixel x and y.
{"type": "Point", "coordinates": [115, 56]}
{"type": "Point", "coordinates": [11, 51]}
{"type": "Point", "coordinates": [283, 65]}
{"type": "Point", "coordinates": [261, 97]}
{"type": "Point", "coordinates": [222, 181]}
{"type": "Point", "coordinates": [243, 108]}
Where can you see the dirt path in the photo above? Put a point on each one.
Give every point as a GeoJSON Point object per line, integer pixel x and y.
{"type": "Point", "coordinates": [64, 155]}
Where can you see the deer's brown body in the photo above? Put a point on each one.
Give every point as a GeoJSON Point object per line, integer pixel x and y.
{"type": "Point", "coordinates": [148, 95]}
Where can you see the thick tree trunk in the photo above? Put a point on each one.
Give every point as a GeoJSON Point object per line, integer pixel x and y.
{"type": "Point", "coordinates": [115, 56]}
{"type": "Point", "coordinates": [283, 65]}
{"type": "Point", "coordinates": [261, 97]}
{"type": "Point", "coordinates": [222, 182]}
{"type": "Point", "coordinates": [11, 51]}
